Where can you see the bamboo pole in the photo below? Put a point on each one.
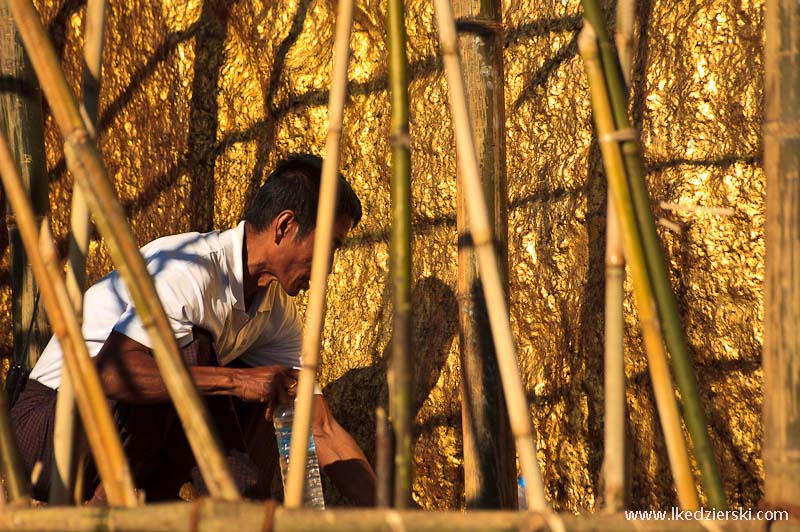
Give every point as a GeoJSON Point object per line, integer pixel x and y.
{"type": "Point", "coordinates": [21, 111]}
{"type": "Point", "coordinates": [100, 428]}
{"type": "Point", "coordinates": [61, 484]}
{"type": "Point", "coordinates": [322, 255]}
{"type": "Point", "coordinates": [481, 232]}
{"type": "Point", "coordinates": [626, 16]}
{"type": "Point", "coordinates": [614, 461]}
{"type": "Point", "coordinates": [399, 376]}
{"type": "Point", "coordinates": [208, 515]}
{"type": "Point", "coordinates": [489, 464]}
{"type": "Point", "coordinates": [16, 481]}
{"type": "Point", "coordinates": [666, 306]}
{"type": "Point", "coordinates": [634, 253]}
{"type": "Point", "coordinates": [93, 56]}
{"type": "Point", "coordinates": [87, 167]}
{"type": "Point", "coordinates": [782, 290]}
{"type": "Point", "coordinates": [384, 456]}
{"type": "Point", "coordinates": [615, 419]}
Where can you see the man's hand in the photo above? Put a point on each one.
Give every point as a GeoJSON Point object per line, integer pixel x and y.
{"type": "Point", "coordinates": [271, 385]}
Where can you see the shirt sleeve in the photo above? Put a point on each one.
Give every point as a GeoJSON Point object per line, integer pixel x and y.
{"type": "Point", "coordinates": [181, 299]}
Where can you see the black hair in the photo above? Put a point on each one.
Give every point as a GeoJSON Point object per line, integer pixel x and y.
{"type": "Point", "coordinates": [294, 185]}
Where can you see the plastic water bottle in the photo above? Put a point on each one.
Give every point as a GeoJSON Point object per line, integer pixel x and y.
{"type": "Point", "coordinates": [282, 418]}
{"type": "Point", "coordinates": [523, 502]}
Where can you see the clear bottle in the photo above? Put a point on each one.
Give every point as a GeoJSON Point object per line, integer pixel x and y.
{"type": "Point", "coordinates": [523, 503]}
{"type": "Point", "coordinates": [282, 418]}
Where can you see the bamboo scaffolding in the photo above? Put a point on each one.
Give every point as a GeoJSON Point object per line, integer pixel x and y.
{"type": "Point", "coordinates": [481, 232]}
{"type": "Point", "coordinates": [399, 376]}
{"type": "Point", "coordinates": [634, 253]}
{"type": "Point", "coordinates": [21, 110]}
{"type": "Point", "coordinates": [216, 516]}
{"type": "Point", "coordinates": [100, 428]}
{"type": "Point", "coordinates": [490, 471]}
{"type": "Point", "coordinates": [666, 306]}
{"type": "Point", "coordinates": [615, 419]}
{"type": "Point", "coordinates": [781, 443]}
{"type": "Point", "coordinates": [85, 163]}
{"type": "Point", "coordinates": [321, 263]}
{"type": "Point", "coordinates": [61, 484]}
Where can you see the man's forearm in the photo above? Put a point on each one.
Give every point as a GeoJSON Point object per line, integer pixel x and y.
{"type": "Point", "coordinates": [138, 380]}
{"type": "Point", "coordinates": [129, 374]}
{"type": "Point", "coordinates": [341, 458]}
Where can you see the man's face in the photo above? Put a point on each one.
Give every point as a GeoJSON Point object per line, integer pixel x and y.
{"type": "Point", "coordinates": [294, 273]}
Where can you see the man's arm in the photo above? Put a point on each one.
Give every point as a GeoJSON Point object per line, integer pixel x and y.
{"type": "Point", "coordinates": [341, 458]}
{"type": "Point", "coordinates": [128, 373]}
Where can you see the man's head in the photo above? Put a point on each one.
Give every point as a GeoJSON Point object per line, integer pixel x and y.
{"type": "Point", "coordinates": [281, 223]}
{"type": "Point", "coordinates": [294, 185]}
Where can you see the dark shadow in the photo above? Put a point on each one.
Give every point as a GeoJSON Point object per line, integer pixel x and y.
{"type": "Point", "coordinates": [542, 27]}
{"type": "Point", "coordinates": [723, 162]}
{"type": "Point", "coordinates": [540, 77]}
{"type": "Point", "coordinates": [354, 397]}
{"type": "Point", "coordinates": [265, 135]}
{"type": "Point", "coordinates": [592, 313]}
{"type": "Point", "coordinates": [204, 113]}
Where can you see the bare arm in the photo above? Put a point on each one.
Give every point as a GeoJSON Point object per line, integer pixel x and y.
{"type": "Point", "coordinates": [341, 458]}
{"type": "Point", "coordinates": [128, 373]}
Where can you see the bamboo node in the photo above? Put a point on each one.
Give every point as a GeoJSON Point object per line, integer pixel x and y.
{"type": "Point", "coordinates": [269, 515]}
{"type": "Point", "coordinates": [400, 139]}
{"type": "Point", "coordinates": [77, 138]}
{"type": "Point", "coordinates": [620, 135]}
{"type": "Point", "coordinates": [194, 514]}
{"type": "Point", "coordinates": [395, 522]}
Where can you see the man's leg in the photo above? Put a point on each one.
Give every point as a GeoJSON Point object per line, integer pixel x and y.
{"type": "Point", "coordinates": [262, 447]}
{"type": "Point", "coordinates": [32, 421]}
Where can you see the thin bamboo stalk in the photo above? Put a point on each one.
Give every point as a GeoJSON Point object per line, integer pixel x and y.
{"type": "Point", "coordinates": [93, 56]}
{"type": "Point", "coordinates": [634, 253]}
{"type": "Point", "coordinates": [87, 167]}
{"type": "Point", "coordinates": [626, 16]}
{"type": "Point", "coordinates": [400, 370]}
{"type": "Point", "coordinates": [480, 229]}
{"type": "Point", "coordinates": [92, 404]}
{"type": "Point", "coordinates": [781, 443]}
{"type": "Point", "coordinates": [614, 462]}
{"type": "Point", "coordinates": [321, 263]}
{"type": "Point", "coordinates": [209, 515]}
{"type": "Point", "coordinates": [383, 460]}
{"type": "Point", "coordinates": [614, 433]}
{"type": "Point", "coordinates": [490, 470]}
{"type": "Point", "coordinates": [666, 306]}
{"type": "Point", "coordinates": [61, 485]}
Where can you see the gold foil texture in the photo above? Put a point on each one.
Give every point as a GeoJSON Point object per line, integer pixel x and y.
{"type": "Point", "coordinates": [201, 98]}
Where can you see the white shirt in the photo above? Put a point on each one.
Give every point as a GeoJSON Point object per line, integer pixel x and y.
{"type": "Point", "coordinates": [199, 279]}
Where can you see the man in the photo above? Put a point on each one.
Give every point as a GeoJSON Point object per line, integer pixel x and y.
{"type": "Point", "coordinates": [228, 296]}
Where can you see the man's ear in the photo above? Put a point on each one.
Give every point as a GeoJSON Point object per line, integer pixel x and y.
{"type": "Point", "coordinates": [284, 222]}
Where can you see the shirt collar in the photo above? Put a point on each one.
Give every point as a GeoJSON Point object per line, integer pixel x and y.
{"type": "Point", "coordinates": [232, 242]}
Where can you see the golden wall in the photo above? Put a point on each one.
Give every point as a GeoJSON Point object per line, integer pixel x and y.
{"type": "Point", "coordinates": [201, 97]}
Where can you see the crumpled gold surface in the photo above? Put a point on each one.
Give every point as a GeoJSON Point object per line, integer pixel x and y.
{"type": "Point", "coordinates": [200, 98]}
